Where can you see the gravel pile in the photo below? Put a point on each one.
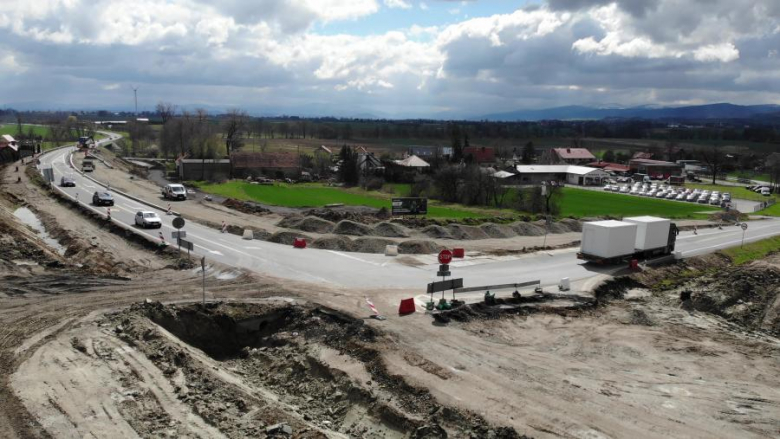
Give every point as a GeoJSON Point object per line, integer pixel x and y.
{"type": "Point", "coordinates": [347, 227]}
{"type": "Point", "coordinates": [461, 232]}
{"type": "Point", "coordinates": [287, 238]}
{"type": "Point", "coordinates": [390, 230]}
{"type": "Point", "coordinates": [435, 231]}
{"type": "Point", "coordinates": [498, 230]}
{"type": "Point", "coordinates": [315, 225]}
{"type": "Point", "coordinates": [527, 229]}
{"type": "Point", "coordinates": [419, 247]}
{"type": "Point", "coordinates": [371, 245]}
{"type": "Point", "coordinates": [339, 243]}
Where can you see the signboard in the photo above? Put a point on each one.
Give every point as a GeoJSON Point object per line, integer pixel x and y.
{"type": "Point", "coordinates": [178, 222]}
{"type": "Point", "coordinates": [48, 174]}
{"type": "Point", "coordinates": [179, 234]}
{"type": "Point", "coordinates": [445, 285]}
{"type": "Point", "coordinates": [445, 257]}
{"type": "Point", "coordinates": [744, 226]}
{"type": "Point", "coordinates": [444, 270]}
{"type": "Point", "coordinates": [410, 206]}
{"type": "Point", "coordinates": [183, 243]}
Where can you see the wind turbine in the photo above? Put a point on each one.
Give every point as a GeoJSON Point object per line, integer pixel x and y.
{"type": "Point", "coordinates": [135, 92]}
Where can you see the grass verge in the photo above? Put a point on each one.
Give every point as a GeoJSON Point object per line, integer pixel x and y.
{"type": "Point", "coordinates": [588, 203]}
{"type": "Point", "coordinates": [752, 251]}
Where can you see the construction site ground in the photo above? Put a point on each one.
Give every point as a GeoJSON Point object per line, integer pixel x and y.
{"type": "Point", "coordinates": [110, 340]}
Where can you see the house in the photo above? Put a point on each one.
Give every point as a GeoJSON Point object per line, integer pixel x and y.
{"type": "Point", "coordinates": [199, 169]}
{"type": "Point", "coordinates": [642, 155]}
{"type": "Point", "coordinates": [567, 156]}
{"type": "Point", "coordinates": [323, 151]}
{"type": "Point", "coordinates": [368, 164]}
{"type": "Point", "coordinates": [479, 154]}
{"type": "Point", "coordinates": [569, 174]}
{"type": "Point", "coordinates": [7, 141]}
{"type": "Point", "coordinates": [429, 152]}
{"type": "Point", "coordinates": [413, 162]}
{"type": "Point", "coordinates": [655, 168]}
{"type": "Point", "coordinates": [609, 167]}
{"type": "Point", "coordinates": [277, 164]}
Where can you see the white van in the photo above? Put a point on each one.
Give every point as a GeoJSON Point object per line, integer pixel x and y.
{"type": "Point", "coordinates": [765, 191]}
{"type": "Point", "coordinates": [174, 191]}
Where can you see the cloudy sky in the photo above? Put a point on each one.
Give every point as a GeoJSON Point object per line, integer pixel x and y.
{"type": "Point", "coordinates": [387, 58]}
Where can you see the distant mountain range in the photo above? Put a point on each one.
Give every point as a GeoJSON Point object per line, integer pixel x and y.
{"type": "Point", "coordinates": [696, 112]}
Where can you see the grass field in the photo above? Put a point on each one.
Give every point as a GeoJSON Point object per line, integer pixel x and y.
{"type": "Point", "coordinates": [749, 175]}
{"type": "Point", "coordinates": [12, 130]}
{"type": "Point", "coordinates": [317, 195]}
{"type": "Point", "coordinates": [587, 203]}
{"type": "Point", "coordinates": [753, 251]}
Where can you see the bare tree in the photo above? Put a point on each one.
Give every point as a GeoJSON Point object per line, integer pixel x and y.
{"type": "Point", "coordinates": [714, 158]}
{"type": "Point", "coordinates": [166, 111]}
{"type": "Point", "coordinates": [233, 127]}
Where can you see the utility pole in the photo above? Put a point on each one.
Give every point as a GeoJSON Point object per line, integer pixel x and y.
{"type": "Point", "coordinates": [203, 269]}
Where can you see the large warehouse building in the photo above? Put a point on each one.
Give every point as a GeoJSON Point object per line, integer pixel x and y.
{"type": "Point", "coordinates": [569, 174]}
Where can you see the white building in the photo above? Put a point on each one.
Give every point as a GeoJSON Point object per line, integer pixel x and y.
{"type": "Point", "coordinates": [569, 174]}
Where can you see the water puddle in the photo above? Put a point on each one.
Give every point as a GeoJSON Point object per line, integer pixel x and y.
{"type": "Point", "coordinates": [27, 216]}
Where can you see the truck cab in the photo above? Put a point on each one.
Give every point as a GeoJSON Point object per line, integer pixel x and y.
{"type": "Point", "coordinates": [87, 166]}
{"type": "Point", "coordinates": [174, 191]}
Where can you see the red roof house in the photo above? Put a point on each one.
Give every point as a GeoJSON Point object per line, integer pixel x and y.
{"type": "Point", "coordinates": [480, 154]}
{"type": "Point", "coordinates": [571, 156]}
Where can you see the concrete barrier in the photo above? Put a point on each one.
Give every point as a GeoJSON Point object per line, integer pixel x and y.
{"type": "Point", "coordinates": [391, 250]}
{"type": "Point", "coordinates": [249, 234]}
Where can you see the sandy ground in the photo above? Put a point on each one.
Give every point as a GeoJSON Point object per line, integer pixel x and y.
{"type": "Point", "coordinates": [589, 374]}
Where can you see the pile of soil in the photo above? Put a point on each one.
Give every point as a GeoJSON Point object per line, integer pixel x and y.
{"type": "Point", "coordinates": [338, 243]}
{"type": "Point", "coordinates": [731, 216]}
{"type": "Point", "coordinates": [498, 230]}
{"type": "Point", "coordinates": [287, 238]}
{"type": "Point", "coordinates": [461, 232]}
{"type": "Point", "coordinates": [290, 222]}
{"type": "Point", "coordinates": [279, 349]}
{"type": "Point", "coordinates": [315, 225]}
{"type": "Point", "coordinates": [372, 245]}
{"type": "Point", "coordinates": [436, 231]}
{"type": "Point", "coordinates": [527, 229]}
{"type": "Point", "coordinates": [245, 206]}
{"type": "Point", "coordinates": [347, 227]}
{"type": "Point", "coordinates": [419, 247]}
{"type": "Point", "coordinates": [390, 230]}
{"type": "Point", "coordinates": [364, 215]}
{"type": "Point", "coordinates": [572, 225]}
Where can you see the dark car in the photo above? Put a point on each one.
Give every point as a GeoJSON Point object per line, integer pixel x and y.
{"type": "Point", "coordinates": [102, 199]}
{"type": "Point", "coordinates": [67, 182]}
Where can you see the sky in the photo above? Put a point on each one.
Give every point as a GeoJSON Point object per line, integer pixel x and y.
{"type": "Point", "coordinates": [387, 58]}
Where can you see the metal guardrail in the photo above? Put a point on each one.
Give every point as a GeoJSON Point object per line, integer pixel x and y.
{"type": "Point", "coordinates": [498, 287]}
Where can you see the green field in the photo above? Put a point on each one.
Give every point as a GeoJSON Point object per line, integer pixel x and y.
{"type": "Point", "coordinates": [773, 210]}
{"type": "Point", "coordinates": [753, 251]}
{"type": "Point", "coordinates": [12, 130]}
{"type": "Point", "coordinates": [588, 203]}
{"type": "Point", "coordinates": [318, 195]}
{"type": "Point", "coordinates": [749, 175]}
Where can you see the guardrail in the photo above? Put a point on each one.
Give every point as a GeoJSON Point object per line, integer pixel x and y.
{"type": "Point", "coordinates": [498, 287]}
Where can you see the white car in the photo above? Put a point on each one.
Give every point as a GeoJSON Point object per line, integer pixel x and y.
{"type": "Point", "coordinates": [682, 196]}
{"type": "Point", "coordinates": [625, 190]}
{"type": "Point", "coordinates": [608, 187]}
{"type": "Point", "coordinates": [147, 219]}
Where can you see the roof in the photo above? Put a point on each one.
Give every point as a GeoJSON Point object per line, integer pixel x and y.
{"type": "Point", "coordinates": [574, 153]}
{"type": "Point", "coordinates": [646, 219]}
{"type": "Point", "coordinates": [654, 162]}
{"type": "Point", "coordinates": [611, 224]}
{"type": "Point", "coordinates": [9, 142]}
{"type": "Point", "coordinates": [8, 138]}
{"type": "Point", "coordinates": [413, 162]}
{"type": "Point", "coordinates": [480, 154]}
{"type": "Point", "coordinates": [503, 174]}
{"type": "Point", "coordinates": [642, 155]}
{"type": "Point", "coordinates": [253, 160]}
{"type": "Point", "coordinates": [324, 148]}
{"type": "Point", "coordinates": [201, 160]}
{"type": "Point", "coordinates": [555, 169]}
{"type": "Point", "coordinates": [607, 166]}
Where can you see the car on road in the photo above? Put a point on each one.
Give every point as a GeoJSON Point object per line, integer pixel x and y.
{"type": "Point", "coordinates": [174, 191]}
{"type": "Point", "coordinates": [102, 199]}
{"type": "Point", "coordinates": [147, 219]}
{"type": "Point", "coordinates": [67, 182]}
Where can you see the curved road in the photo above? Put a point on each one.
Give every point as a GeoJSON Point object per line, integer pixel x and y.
{"type": "Point", "coordinates": [376, 270]}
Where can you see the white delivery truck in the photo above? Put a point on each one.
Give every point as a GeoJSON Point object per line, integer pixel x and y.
{"type": "Point", "coordinates": [611, 242]}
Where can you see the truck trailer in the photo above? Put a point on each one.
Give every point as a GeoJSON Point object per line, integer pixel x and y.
{"type": "Point", "coordinates": [613, 242]}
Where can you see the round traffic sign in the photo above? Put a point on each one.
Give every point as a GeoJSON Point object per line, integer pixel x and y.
{"type": "Point", "coordinates": [445, 257]}
{"type": "Point", "coordinates": [744, 226]}
{"type": "Point", "coordinates": [178, 222]}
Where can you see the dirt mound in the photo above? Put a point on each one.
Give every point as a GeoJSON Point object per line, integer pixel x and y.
{"type": "Point", "coordinates": [390, 230]}
{"type": "Point", "coordinates": [731, 216]}
{"type": "Point", "coordinates": [315, 225]}
{"type": "Point", "coordinates": [347, 227]}
{"type": "Point", "coordinates": [372, 245]}
{"type": "Point", "coordinates": [572, 225]}
{"type": "Point", "coordinates": [245, 206]}
{"type": "Point", "coordinates": [419, 247]}
{"type": "Point", "coordinates": [364, 215]}
{"type": "Point", "coordinates": [339, 243]}
{"type": "Point", "coordinates": [459, 231]}
{"type": "Point", "coordinates": [527, 229]}
{"type": "Point", "coordinates": [290, 222]}
{"type": "Point", "coordinates": [287, 238]}
{"type": "Point", "coordinates": [498, 230]}
{"type": "Point", "coordinates": [436, 231]}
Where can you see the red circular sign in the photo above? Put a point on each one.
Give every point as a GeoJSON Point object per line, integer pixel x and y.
{"type": "Point", "coordinates": [445, 257]}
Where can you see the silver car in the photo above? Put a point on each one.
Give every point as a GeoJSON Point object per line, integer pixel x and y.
{"type": "Point", "coordinates": [147, 219]}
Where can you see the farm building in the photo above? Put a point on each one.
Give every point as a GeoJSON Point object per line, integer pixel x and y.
{"type": "Point", "coordinates": [479, 154]}
{"type": "Point", "coordinates": [412, 162]}
{"type": "Point", "coordinates": [199, 169]}
{"type": "Point", "coordinates": [609, 167]}
{"type": "Point", "coordinates": [9, 148]}
{"type": "Point", "coordinates": [567, 156]}
{"type": "Point", "coordinates": [270, 164]}
{"type": "Point", "coordinates": [655, 168]}
{"type": "Point", "coordinates": [569, 174]}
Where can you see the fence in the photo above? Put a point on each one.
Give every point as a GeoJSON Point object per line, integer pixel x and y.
{"type": "Point", "coordinates": [763, 205]}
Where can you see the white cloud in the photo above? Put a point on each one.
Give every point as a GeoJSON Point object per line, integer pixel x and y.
{"type": "Point", "coordinates": [423, 6]}
{"type": "Point", "coordinates": [725, 52]}
{"type": "Point", "coordinates": [397, 4]}
{"type": "Point", "coordinates": [111, 87]}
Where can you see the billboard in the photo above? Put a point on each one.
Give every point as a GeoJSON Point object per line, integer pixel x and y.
{"type": "Point", "coordinates": [410, 206]}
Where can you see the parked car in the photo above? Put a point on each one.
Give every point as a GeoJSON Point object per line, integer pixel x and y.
{"type": "Point", "coordinates": [102, 199]}
{"type": "Point", "coordinates": [147, 219]}
{"type": "Point", "coordinates": [625, 190]}
{"type": "Point", "coordinates": [681, 196]}
{"type": "Point", "coordinates": [67, 182]}
{"type": "Point", "coordinates": [608, 187]}
{"type": "Point", "coordinates": [715, 201]}
{"type": "Point", "coordinates": [703, 199]}
{"type": "Point", "coordinates": [174, 191]}
{"type": "Point", "coordinates": [726, 196]}
{"type": "Point", "coordinates": [692, 197]}
{"type": "Point", "coordinates": [765, 191]}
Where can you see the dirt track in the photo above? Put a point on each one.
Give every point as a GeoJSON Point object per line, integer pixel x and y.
{"type": "Point", "coordinates": [641, 367]}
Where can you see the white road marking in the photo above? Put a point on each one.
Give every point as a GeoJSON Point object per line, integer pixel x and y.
{"type": "Point", "coordinates": [354, 258]}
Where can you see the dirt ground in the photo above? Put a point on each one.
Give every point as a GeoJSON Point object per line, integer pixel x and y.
{"type": "Point", "coordinates": [83, 353]}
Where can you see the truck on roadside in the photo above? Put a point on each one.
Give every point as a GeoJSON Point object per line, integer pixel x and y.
{"type": "Point", "coordinates": [613, 242]}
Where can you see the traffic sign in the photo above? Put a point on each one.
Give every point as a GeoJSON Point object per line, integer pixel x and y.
{"type": "Point", "coordinates": [744, 226]}
{"type": "Point", "coordinates": [445, 256]}
{"type": "Point", "coordinates": [444, 270]}
{"type": "Point", "coordinates": [179, 234]}
{"type": "Point", "coordinates": [445, 285]}
{"type": "Point", "coordinates": [178, 222]}
{"type": "Point", "coordinates": [186, 244]}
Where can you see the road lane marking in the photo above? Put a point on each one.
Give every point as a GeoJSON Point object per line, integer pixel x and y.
{"type": "Point", "coordinates": [354, 258]}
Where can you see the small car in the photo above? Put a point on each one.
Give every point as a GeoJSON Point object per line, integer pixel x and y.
{"type": "Point", "coordinates": [682, 196]}
{"type": "Point", "coordinates": [67, 182]}
{"type": "Point", "coordinates": [715, 201]}
{"type": "Point", "coordinates": [174, 191]}
{"type": "Point", "coordinates": [608, 187]}
{"type": "Point", "coordinates": [726, 196]}
{"type": "Point", "coordinates": [703, 200]}
{"type": "Point", "coordinates": [625, 190]}
{"type": "Point", "coordinates": [147, 219]}
{"type": "Point", "coordinates": [102, 199]}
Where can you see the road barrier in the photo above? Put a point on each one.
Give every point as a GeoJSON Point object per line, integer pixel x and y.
{"type": "Point", "coordinates": [299, 243]}
{"type": "Point", "coordinates": [249, 234]}
{"type": "Point", "coordinates": [458, 253]}
{"type": "Point", "coordinates": [406, 307]}
{"type": "Point", "coordinates": [391, 250]}
{"type": "Point", "coordinates": [499, 287]}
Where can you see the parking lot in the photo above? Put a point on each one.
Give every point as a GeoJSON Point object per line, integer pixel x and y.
{"type": "Point", "coordinates": [659, 190]}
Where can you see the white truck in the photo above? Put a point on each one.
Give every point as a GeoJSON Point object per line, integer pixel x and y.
{"type": "Point", "coordinates": [612, 242]}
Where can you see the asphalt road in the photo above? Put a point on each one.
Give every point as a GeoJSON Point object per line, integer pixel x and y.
{"type": "Point", "coordinates": [376, 270]}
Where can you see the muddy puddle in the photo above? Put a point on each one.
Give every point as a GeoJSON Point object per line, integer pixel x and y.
{"type": "Point", "coordinates": [29, 218]}
{"type": "Point", "coordinates": [315, 370]}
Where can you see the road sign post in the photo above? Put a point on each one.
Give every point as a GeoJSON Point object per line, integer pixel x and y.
{"type": "Point", "coordinates": [744, 229]}
{"type": "Point", "coordinates": [203, 269]}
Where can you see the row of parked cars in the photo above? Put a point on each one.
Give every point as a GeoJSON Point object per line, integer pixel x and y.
{"type": "Point", "coordinates": [653, 190]}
